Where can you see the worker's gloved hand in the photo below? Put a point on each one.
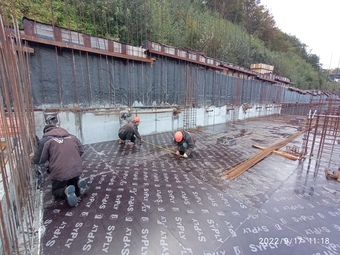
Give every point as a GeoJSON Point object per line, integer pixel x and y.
{"type": "Point", "coordinates": [141, 140]}
{"type": "Point", "coordinates": [177, 153]}
{"type": "Point", "coordinates": [185, 155]}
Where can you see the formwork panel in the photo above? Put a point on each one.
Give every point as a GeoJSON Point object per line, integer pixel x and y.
{"type": "Point", "coordinates": [143, 199]}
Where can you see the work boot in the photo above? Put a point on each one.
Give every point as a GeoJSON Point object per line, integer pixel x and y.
{"type": "Point", "coordinates": [71, 195]}
{"type": "Point", "coordinates": [83, 188]}
{"type": "Point", "coordinates": [128, 142]}
{"type": "Point", "coordinates": [121, 141]}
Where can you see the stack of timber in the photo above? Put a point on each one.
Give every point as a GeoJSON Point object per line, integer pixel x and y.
{"type": "Point", "coordinates": [244, 166]}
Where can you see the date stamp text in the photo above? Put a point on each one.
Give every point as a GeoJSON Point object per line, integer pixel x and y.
{"type": "Point", "coordinates": [291, 241]}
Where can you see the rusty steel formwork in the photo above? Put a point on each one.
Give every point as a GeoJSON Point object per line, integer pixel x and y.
{"type": "Point", "coordinates": [18, 196]}
{"type": "Point", "coordinates": [321, 144]}
{"type": "Point", "coordinates": [64, 74]}
{"type": "Point", "coordinates": [76, 70]}
{"type": "Point", "coordinates": [191, 104]}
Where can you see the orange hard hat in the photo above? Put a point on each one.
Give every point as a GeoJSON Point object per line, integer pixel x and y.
{"type": "Point", "coordinates": [136, 119]}
{"type": "Point", "coordinates": [178, 136]}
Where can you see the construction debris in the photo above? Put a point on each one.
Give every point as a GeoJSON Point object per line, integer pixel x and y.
{"type": "Point", "coordinates": [332, 191]}
{"type": "Point", "coordinates": [335, 175]}
{"type": "Point", "coordinates": [294, 150]}
{"type": "Point", "coordinates": [229, 141]}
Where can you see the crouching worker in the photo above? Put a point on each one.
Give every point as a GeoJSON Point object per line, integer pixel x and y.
{"type": "Point", "coordinates": [35, 158]}
{"type": "Point", "coordinates": [63, 152]}
{"type": "Point", "coordinates": [185, 143]}
{"type": "Point", "coordinates": [129, 132]}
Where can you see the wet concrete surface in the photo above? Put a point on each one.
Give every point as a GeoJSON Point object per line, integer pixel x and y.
{"type": "Point", "coordinates": [145, 200]}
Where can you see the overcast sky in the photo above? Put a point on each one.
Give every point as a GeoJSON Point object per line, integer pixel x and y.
{"type": "Point", "coordinates": [315, 23]}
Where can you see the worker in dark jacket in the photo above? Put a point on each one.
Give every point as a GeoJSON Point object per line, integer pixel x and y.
{"type": "Point", "coordinates": [129, 132]}
{"type": "Point", "coordinates": [41, 168]}
{"type": "Point", "coordinates": [37, 154]}
{"type": "Point", "coordinates": [63, 151]}
{"type": "Point", "coordinates": [185, 143]}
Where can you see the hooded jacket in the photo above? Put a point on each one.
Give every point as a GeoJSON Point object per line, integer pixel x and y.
{"type": "Point", "coordinates": [131, 127]}
{"type": "Point", "coordinates": [39, 149]}
{"type": "Point", "coordinates": [63, 151]}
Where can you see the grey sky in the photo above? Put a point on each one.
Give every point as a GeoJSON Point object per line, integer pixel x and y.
{"type": "Point", "coordinates": [315, 23]}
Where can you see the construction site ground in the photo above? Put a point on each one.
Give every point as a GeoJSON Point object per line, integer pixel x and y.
{"type": "Point", "coordinates": [145, 200]}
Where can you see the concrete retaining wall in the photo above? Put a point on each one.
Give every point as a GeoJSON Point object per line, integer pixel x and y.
{"type": "Point", "coordinates": [102, 125]}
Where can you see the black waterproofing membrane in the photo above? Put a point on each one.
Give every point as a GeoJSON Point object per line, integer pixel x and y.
{"type": "Point", "coordinates": [146, 200]}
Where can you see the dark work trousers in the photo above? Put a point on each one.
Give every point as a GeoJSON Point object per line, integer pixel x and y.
{"type": "Point", "coordinates": [127, 135]}
{"type": "Point", "coordinates": [39, 182]}
{"type": "Point", "coordinates": [183, 147]}
{"type": "Point", "coordinates": [58, 187]}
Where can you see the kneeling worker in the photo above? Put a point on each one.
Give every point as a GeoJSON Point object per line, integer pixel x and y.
{"type": "Point", "coordinates": [63, 152]}
{"type": "Point", "coordinates": [185, 143]}
{"type": "Point", "coordinates": [129, 132]}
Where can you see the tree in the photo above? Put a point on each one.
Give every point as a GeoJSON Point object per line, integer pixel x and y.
{"type": "Point", "coordinates": [241, 32]}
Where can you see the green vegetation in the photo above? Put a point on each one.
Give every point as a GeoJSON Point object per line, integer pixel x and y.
{"type": "Point", "coordinates": [241, 32]}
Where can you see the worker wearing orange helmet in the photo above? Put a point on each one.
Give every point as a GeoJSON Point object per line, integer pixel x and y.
{"type": "Point", "coordinates": [185, 143]}
{"type": "Point", "coordinates": [129, 132]}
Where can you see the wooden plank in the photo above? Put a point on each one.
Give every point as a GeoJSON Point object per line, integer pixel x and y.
{"type": "Point", "coordinates": [83, 48]}
{"type": "Point", "coordinates": [286, 155]}
{"type": "Point", "coordinates": [244, 166]}
{"type": "Point", "coordinates": [184, 59]}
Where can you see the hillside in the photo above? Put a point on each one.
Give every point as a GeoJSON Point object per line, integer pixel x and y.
{"type": "Point", "coordinates": [241, 32]}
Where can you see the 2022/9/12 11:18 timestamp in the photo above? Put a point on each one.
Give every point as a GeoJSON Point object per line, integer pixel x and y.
{"type": "Point", "coordinates": [293, 240]}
